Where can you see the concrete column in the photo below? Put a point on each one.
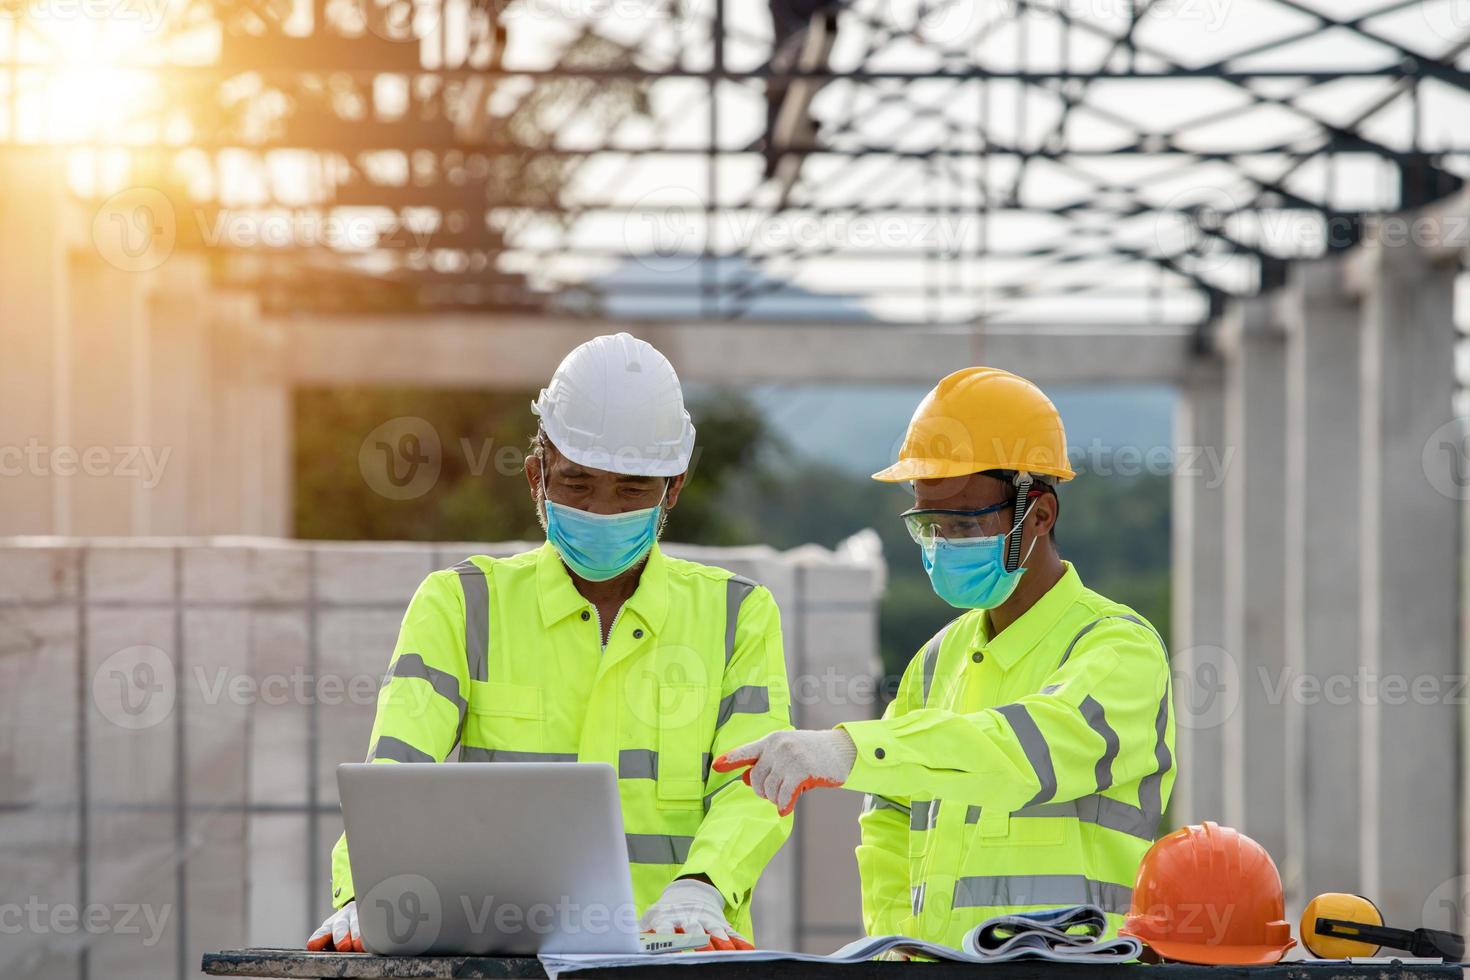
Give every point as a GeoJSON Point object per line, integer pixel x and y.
{"type": "Point", "coordinates": [1412, 474]}
{"type": "Point", "coordinates": [101, 470]}
{"type": "Point", "coordinates": [1255, 579]}
{"type": "Point", "coordinates": [176, 424]}
{"type": "Point", "coordinates": [32, 337]}
{"type": "Point", "coordinates": [1198, 643]}
{"type": "Point", "coordinates": [250, 440]}
{"type": "Point", "coordinates": [1322, 737]}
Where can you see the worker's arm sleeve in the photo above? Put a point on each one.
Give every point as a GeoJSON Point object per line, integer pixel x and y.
{"type": "Point", "coordinates": [1101, 719]}
{"type": "Point", "coordinates": [421, 704]}
{"type": "Point", "coordinates": [741, 832]}
{"type": "Point", "coordinates": [882, 852]}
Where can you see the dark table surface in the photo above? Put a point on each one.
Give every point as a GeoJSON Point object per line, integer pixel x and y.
{"type": "Point", "coordinates": [296, 963]}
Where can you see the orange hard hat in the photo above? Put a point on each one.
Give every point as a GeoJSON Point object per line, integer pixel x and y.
{"type": "Point", "coordinates": [1209, 894]}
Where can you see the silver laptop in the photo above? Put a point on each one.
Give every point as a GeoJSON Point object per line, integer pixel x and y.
{"type": "Point", "coordinates": [477, 858]}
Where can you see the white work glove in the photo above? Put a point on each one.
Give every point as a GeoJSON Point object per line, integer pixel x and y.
{"type": "Point", "coordinates": [783, 765]}
{"type": "Point", "coordinates": [339, 932]}
{"type": "Point", "coordinates": [691, 905]}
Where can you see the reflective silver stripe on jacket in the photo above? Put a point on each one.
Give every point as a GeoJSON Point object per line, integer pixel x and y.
{"type": "Point", "coordinates": [1102, 811]}
{"type": "Point", "coordinates": [1033, 743]}
{"type": "Point", "coordinates": [923, 814]}
{"type": "Point", "coordinates": [1142, 820]}
{"type": "Point", "coordinates": [916, 898]}
{"type": "Point", "coordinates": [1102, 619]}
{"type": "Point", "coordinates": [658, 848]}
{"type": "Point", "coordinates": [751, 699]}
{"type": "Point", "coordinates": [872, 801]}
{"type": "Point", "coordinates": [396, 749]}
{"type": "Point", "coordinates": [476, 616]}
{"type": "Point", "coordinates": [737, 587]}
{"type": "Point", "coordinates": [469, 753]}
{"type": "Point", "coordinates": [931, 657]}
{"type": "Point", "coordinates": [445, 684]}
{"type": "Point", "coordinates": [643, 764]}
{"type": "Point", "coordinates": [1150, 787]}
{"type": "Point", "coordinates": [739, 777]}
{"type": "Point", "coordinates": [1097, 720]}
{"type": "Point", "coordinates": [979, 891]}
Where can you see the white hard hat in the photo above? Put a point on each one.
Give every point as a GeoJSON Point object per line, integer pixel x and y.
{"type": "Point", "coordinates": [615, 404]}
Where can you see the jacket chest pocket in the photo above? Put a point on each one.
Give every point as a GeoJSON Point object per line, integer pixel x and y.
{"type": "Point", "coordinates": [505, 716]}
{"type": "Point", "coordinates": [682, 745]}
{"type": "Point", "coordinates": [1039, 826]}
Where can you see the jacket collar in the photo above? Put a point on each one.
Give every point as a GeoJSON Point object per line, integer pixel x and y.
{"type": "Point", "coordinates": [1036, 623]}
{"type": "Point", "coordinates": [559, 598]}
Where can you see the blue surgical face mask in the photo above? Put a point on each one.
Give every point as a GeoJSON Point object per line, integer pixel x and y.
{"type": "Point", "coordinates": [970, 573]}
{"type": "Point", "coordinates": [599, 547]}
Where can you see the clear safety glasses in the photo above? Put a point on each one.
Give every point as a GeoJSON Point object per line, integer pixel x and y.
{"type": "Point", "coordinates": [952, 525]}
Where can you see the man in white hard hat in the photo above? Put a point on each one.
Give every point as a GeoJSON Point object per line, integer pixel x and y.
{"type": "Point", "coordinates": [597, 647]}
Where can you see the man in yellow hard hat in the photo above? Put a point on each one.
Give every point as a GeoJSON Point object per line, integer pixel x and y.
{"type": "Point", "coordinates": [598, 647]}
{"type": "Point", "coordinates": [1029, 754]}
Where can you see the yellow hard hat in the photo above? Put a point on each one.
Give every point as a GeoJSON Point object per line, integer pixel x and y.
{"type": "Point", "coordinates": [1339, 906]}
{"type": "Point", "coordinates": [978, 419]}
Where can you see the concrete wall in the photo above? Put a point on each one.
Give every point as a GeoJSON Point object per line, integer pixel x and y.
{"type": "Point", "coordinates": [171, 713]}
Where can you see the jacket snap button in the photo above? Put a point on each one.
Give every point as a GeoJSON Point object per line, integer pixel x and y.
{"type": "Point", "coordinates": [637, 634]}
{"type": "Point", "coordinates": [977, 656]}
{"type": "Point", "coordinates": [586, 615]}
{"type": "Point", "coordinates": [878, 753]}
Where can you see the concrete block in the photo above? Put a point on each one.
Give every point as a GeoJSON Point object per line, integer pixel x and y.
{"type": "Point", "coordinates": [38, 710]}
{"type": "Point", "coordinates": [773, 909]}
{"type": "Point", "coordinates": [377, 573]}
{"type": "Point", "coordinates": [831, 914]}
{"type": "Point", "coordinates": [215, 885]}
{"type": "Point", "coordinates": [39, 819]}
{"type": "Point", "coordinates": [840, 586]}
{"type": "Point", "coordinates": [246, 573]}
{"type": "Point", "coordinates": [279, 729]}
{"type": "Point", "coordinates": [837, 676]}
{"type": "Point", "coordinates": [38, 572]}
{"type": "Point", "coordinates": [132, 874]}
{"type": "Point", "coordinates": [131, 667]}
{"type": "Point", "coordinates": [277, 912]}
{"type": "Point", "coordinates": [38, 850]}
{"type": "Point", "coordinates": [217, 697]}
{"type": "Point", "coordinates": [118, 571]}
{"type": "Point", "coordinates": [354, 647]}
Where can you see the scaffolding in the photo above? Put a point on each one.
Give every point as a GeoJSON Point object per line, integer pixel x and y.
{"type": "Point", "coordinates": [924, 161]}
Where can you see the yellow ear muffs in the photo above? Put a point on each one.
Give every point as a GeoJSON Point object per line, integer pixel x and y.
{"type": "Point", "coordinates": [1336, 905]}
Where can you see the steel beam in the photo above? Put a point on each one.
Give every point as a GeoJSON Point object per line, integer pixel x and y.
{"type": "Point", "coordinates": [489, 351]}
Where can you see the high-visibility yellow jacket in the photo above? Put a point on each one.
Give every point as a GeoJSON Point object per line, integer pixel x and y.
{"type": "Point", "coordinates": [1022, 771]}
{"type": "Point", "coordinates": [503, 658]}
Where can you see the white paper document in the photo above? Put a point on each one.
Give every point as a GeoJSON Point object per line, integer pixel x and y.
{"type": "Point", "coordinates": [1071, 934]}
